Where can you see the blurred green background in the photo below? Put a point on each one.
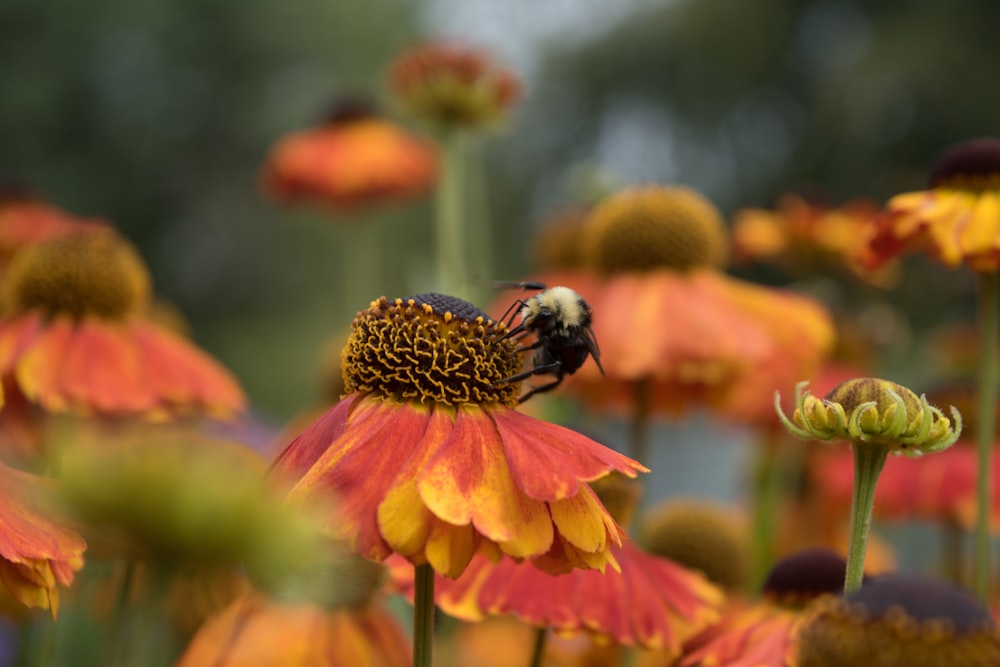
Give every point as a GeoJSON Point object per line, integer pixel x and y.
{"type": "Point", "coordinates": [157, 114]}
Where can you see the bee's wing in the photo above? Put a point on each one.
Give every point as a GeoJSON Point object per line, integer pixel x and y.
{"type": "Point", "coordinates": [595, 352]}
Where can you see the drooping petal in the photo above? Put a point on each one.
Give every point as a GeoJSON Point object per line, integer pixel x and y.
{"type": "Point", "coordinates": [101, 370]}
{"type": "Point", "coordinates": [468, 481]}
{"type": "Point", "coordinates": [37, 554]}
{"type": "Point", "coordinates": [38, 371]}
{"type": "Point", "coordinates": [359, 468]}
{"type": "Point", "coordinates": [548, 462]}
{"type": "Point", "coordinates": [183, 376]}
{"type": "Point", "coordinates": [403, 519]}
{"type": "Point", "coordinates": [309, 446]}
{"type": "Point", "coordinates": [652, 602]}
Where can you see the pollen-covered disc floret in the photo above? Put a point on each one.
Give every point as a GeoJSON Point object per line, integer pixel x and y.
{"type": "Point", "coordinates": [430, 348]}
{"type": "Point", "coordinates": [654, 227]}
{"type": "Point", "coordinates": [971, 165]}
{"type": "Point", "coordinates": [703, 536]}
{"type": "Point", "coordinates": [899, 620]}
{"type": "Point", "coordinates": [94, 273]}
{"type": "Point", "coordinates": [870, 410]}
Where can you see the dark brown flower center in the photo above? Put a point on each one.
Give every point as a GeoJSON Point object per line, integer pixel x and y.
{"type": "Point", "coordinates": [803, 576]}
{"type": "Point", "coordinates": [430, 347]}
{"type": "Point", "coordinates": [654, 227]}
{"type": "Point", "coordinates": [88, 273]}
{"type": "Point", "coordinates": [974, 165]}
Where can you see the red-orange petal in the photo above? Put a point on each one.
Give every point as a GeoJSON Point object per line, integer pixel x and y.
{"type": "Point", "coordinates": [468, 481]}
{"type": "Point", "coordinates": [548, 462]}
{"type": "Point", "coordinates": [37, 554]}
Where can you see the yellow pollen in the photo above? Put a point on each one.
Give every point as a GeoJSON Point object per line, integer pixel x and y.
{"type": "Point", "coordinates": [430, 347]}
{"type": "Point", "coordinates": [653, 227]}
{"type": "Point", "coordinates": [94, 273]}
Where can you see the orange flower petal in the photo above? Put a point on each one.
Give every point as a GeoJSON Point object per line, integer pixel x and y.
{"type": "Point", "coordinates": [182, 376]}
{"type": "Point", "coordinates": [468, 481]}
{"type": "Point", "coordinates": [38, 371]}
{"type": "Point", "coordinates": [101, 370]}
{"type": "Point", "coordinates": [584, 523]}
{"type": "Point", "coordinates": [310, 445]}
{"type": "Point", "coordinates": [36, 553]}
{"type": "Point", "coordinates": [548, 462]}
{"type": "Point", "coordinates": [450, 548]}
{"type": "Point", "coordinates": [403, 519]}
{"type": "Point", "coordinates": [254, 631]}
{"type": "Point", "coordinates": [358, 471]}
{"type": "Point", "coordinates": [652, 603]}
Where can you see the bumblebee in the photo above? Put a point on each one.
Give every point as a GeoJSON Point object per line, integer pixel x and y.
{"type": "Point", "coordinates": [560, 321]}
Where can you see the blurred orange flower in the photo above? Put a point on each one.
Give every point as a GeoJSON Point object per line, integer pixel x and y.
{"type": "Point", "coordinates": [25, 218]}
{"type": "Point", "coordinates": [355, 159]}
{"type": "Point", "coordinates": [452, 86]}
{"type": "Point", "coordinates": [956, 220]}
{"type": "Point", "coordinates": [651, 603]}
{"type": "Point", "coordinates": [37, 554]}
{"type": "Point", "coordinates": [668, 319]}
{"type": "Point", "coordinates": [73, 339]}
{"type": "Point", "coordinates": [806, 236]}
{"type": "Point", "coordinates": [257, 632]}
{"type": "Point", "coordinates": [429, 458]}
{"type": "Point", "coordinates": [940, 488]}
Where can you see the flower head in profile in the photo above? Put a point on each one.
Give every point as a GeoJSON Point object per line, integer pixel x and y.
{"type": "Point", "coordinates": [353, 159]}
{"type": "Point", "coordinates": [957, 219]}
{"type": "Point", "coordinates": [38, 554]}
{"type": "Point", "coordinates": [73, 336]}
{"type": "Point", "coordinates": [652, 603]}
{"type": "Point", "coordinates": [870, 410]}
{"type": "Point", "coordinates": [429, 459]}
{"type": "Point", "coordinates": [26, 218]}
{"type": "Point", "coordinates": [669, 319]}
{"type": "Point", "coordinates": [899, 620]}
{"type": "Point", "coordinates": [763, 634]}
{"type": "Point", "coordinates": [450, 86]}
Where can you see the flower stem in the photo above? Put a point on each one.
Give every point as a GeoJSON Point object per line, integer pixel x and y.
{"type": "Point", "coordinates": [989, 314]}
{"type": "Point", "coordinates": [423, 615]}
{"type": "Point", "coordinates": [638, 435]}
{"type": "Point", "coordinates": [538, 650]}
{"type": "Point", "coordinates": [362, 264]}
{"type": "Point", "coordinates": [766, 494]}
{"type": "Point", "coordinates": [869, 459]}
{"type": "Point", "coordinates": [452, 273]}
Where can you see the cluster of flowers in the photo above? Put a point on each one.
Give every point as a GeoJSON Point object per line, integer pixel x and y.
{"type": "Point", "coordinates": [427, 465]}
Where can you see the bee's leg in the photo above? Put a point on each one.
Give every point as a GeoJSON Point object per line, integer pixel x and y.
{"type": "Point", "coordinates": [542, 389]}
{"type": "Point", "coordinates": [527, 348]}
{"type": "Point", "coordinates": [544, 369]}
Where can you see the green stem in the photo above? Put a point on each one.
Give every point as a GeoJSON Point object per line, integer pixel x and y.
{"type": "Point", "coordinates": [869, 459]}
{"type": "Point", "coordinates": [423, 615]}
{"type": "Point", "coordinates": [766, 496]}
{"type": "Point", "coordinates": [452, 272]}
{"type": "Point", "coordinates": [989, 314]}
{"type": "Point", "coordinates": [538, 650]}
{"type": "Point", "coordinates": [638, 436]}
{"type": "Point", "coordinates": [362, 264]}
{"type": "Point", "coordinates": [954, 552]}
{"type": "Point", "coordinates": [481, 239]}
